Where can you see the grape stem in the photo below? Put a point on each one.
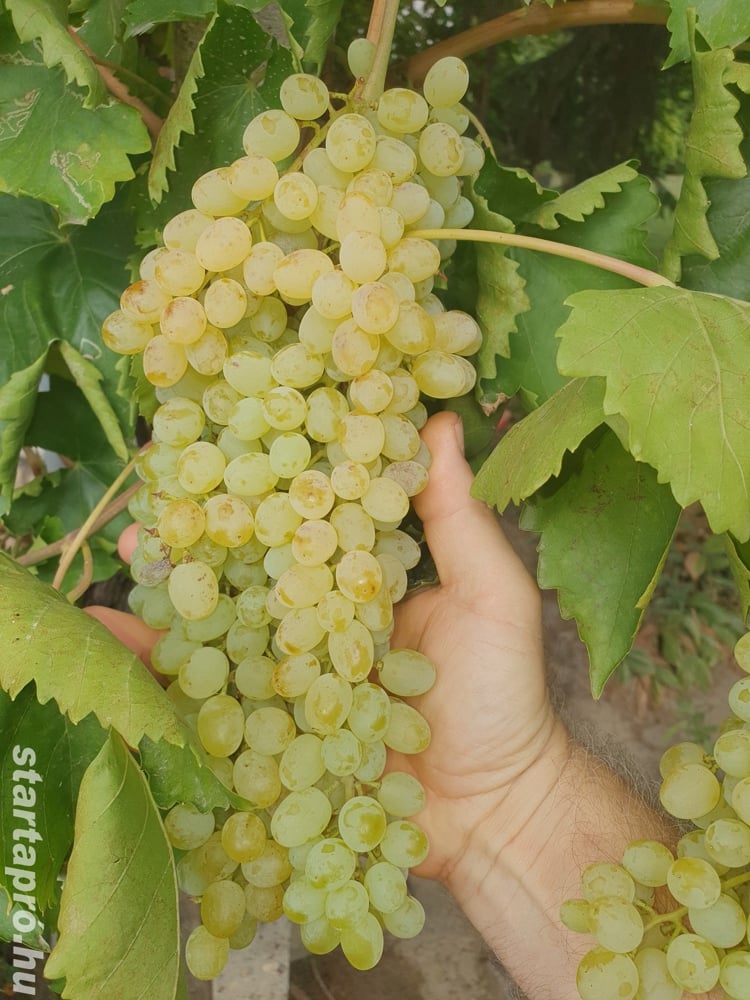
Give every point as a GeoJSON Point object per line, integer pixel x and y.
{"type": "Point", "coordinates": [676, 915]}
{"type": "Point", "coordinates": [70, 550]}
{"type": "Point", "coordinates": [650, 279]}
{"type": "Point", "coordinates": [109, 513]}
{"type": "Point", "coordinates": [382, 26]}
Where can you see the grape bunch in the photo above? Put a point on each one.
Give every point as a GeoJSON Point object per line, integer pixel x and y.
{"type": "Point", "coordinates": [643, 952]}
{"type": "Point", "coordinates": [289, 326]}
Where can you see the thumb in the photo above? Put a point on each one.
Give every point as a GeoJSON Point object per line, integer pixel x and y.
{"type": "Point", "coordinates": [471, 552]}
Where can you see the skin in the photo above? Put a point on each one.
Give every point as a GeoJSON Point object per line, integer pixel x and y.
{"type": "Point", "coordinates": [515, 809]}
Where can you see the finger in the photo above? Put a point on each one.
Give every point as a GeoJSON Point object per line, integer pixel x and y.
{"type": "Point", "coordinates": [131, 631]}
{"type": "Point", "coordinates": [127, 542]}
{"type": "Point", "coordinates": [470, 550]}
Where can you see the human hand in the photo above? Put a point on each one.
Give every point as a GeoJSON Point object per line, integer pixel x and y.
{"type": "Point", "coordinates": [489, 710]}
{"type": "Point", "coordinates": [130, 630]}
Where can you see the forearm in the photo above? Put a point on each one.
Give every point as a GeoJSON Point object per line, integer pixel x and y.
{"type": "Point", "coordinates": [519, 865]}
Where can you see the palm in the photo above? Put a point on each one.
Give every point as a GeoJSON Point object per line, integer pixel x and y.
{"type": "Point", "coordinates": [482, 629]}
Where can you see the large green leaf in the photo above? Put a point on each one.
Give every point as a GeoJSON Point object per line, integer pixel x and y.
{"type": "Point", "coordinates": [76, 661]}
{"type": "Point", "coordinates": [605, 534]}
{"type": "Point", "coordinates": [47, 22]}
{"type": "Point", "coordinates": [52, 146]}
{"type": "Point", "coordinates": [676, 365]}
{"type": "Point", "coordinates": [119, 932]}
{"type": "Point", "coordinates": [43, 751]}
{"type": "Point", "coordinates": [720, 22]}
{"type": "Point", "coordinates": [712, 149]}
{"type": "Point", "coordinates": [235, 53]}
{"type": "Point", "coordinates": [61, 285]}
{"type": "Point", "coordinates": [533, 450]}
{"type": "Point", "coordinates": [618, 230]}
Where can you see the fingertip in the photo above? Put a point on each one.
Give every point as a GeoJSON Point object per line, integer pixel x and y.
{"type": "Point", "coordinates": [127, 543]}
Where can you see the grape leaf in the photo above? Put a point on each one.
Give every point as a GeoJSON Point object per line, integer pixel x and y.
{"type": "Point", "coordinates": [31, 939]}
{"type": "Point", "coordinates": [511, 191]}
{"type": "Point", "coordinates": [78, 662]}
{"type": "Point", "coordinates": [533, 450]}
{"type": "Point", "coordinates": [236, 54]}
{"type": "Point", "coordinates": [676, 365]}
{"type": "Point", "coordinates": [728, 212]}
{"type": "Point", "coordinates": [69, 494]}
{"type": "Point", "coordinates": [712, 149]}
{"type": "Point", "coordinates": [500, 292]}
{"type": "Point", "coordinates": [739, 562]}
{"type": "Point", "coordinates": [619, 230]}
{"type": "Point", "coordinates": [119, 932]}
{"type": "Point", "coordinates": [324, 16]}
{"type": "Point", "coordinates": [178, 121]}
{"type": "Point", "coordinates": [583, 199]}
{"type": "Point", "coordinates": [47, 21]}
{"type": "Point", "coordinates": [16, 408]}
{"type": "Point", "coordinates": [181, 774]}
{"type": "Point", "coordinates": [60, 286]}
{"type": "Point", "coordinates": [42, 750]}
{"type": "Point", "coordinates": [102, 28]}
{"type": "Point", "coordinates": [52, 146]}
{"type": "Point", "coordinates": [605, 535]}
{"type": "Point", "coordinates": [142, 15]}
{"type": "Point", "coordinates": [720, 22]}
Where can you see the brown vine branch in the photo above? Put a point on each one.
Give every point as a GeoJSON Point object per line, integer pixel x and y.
{"type": "Point", "coordinates": [538, 19]}
{"type": "Point", "coordinates": [118, 89]}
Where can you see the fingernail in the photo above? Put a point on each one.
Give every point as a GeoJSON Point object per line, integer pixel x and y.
{"type": "Point", "coordinates": [459, 430]}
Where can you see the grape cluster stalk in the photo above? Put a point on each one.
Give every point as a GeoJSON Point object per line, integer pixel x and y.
{"type": "Point", "coordinates": [648, 952]}
{"type": "Point", "coordinates": [289, 326]}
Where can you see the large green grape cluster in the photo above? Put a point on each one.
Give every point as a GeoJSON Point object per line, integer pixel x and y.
{"type": "Point", "coordinates": [644, 953]}
{"type": "Point", "coordinates": [289, 327]}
